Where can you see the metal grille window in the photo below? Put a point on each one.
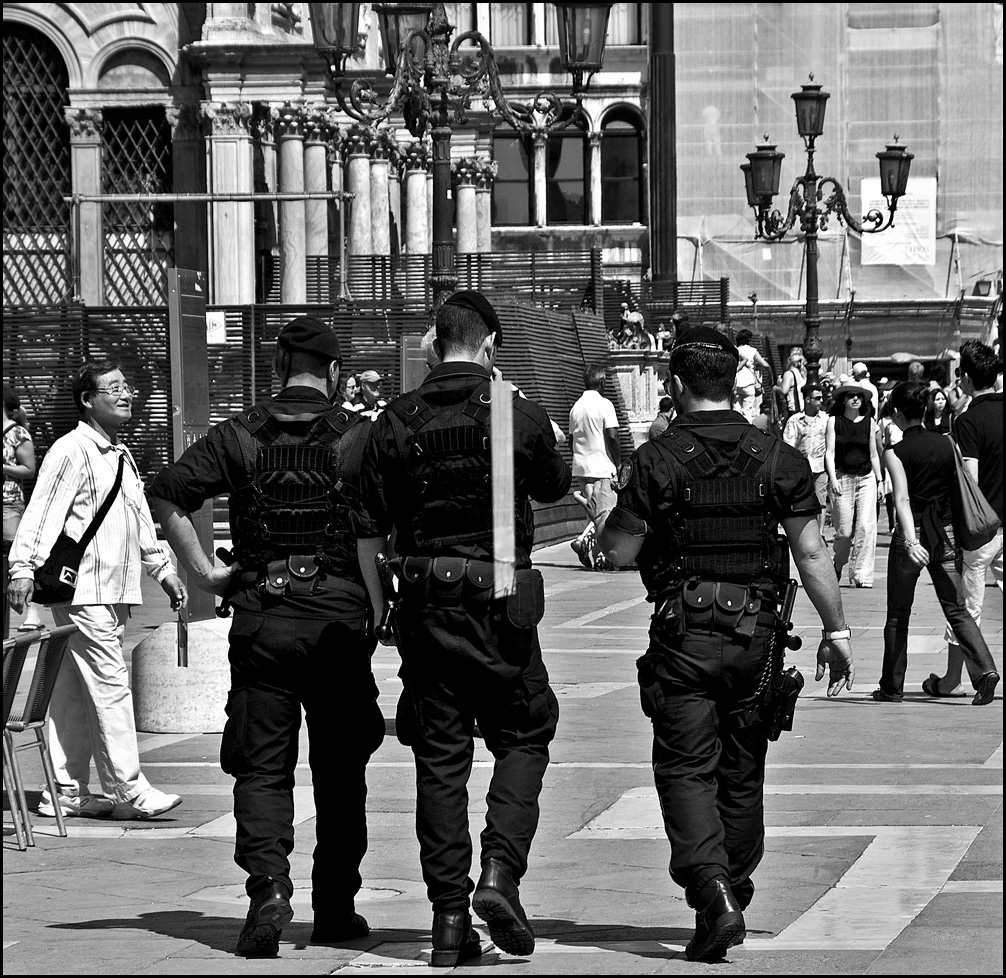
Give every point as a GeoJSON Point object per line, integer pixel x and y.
{"type": "Point", "coordinates": [139, 237]}
{"type": "Point", "coordinates": [36, 171]}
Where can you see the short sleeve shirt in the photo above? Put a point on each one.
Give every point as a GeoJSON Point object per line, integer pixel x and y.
{"type": "Point", "coordinates": [588, 419]}
{"type": "Point", "coordinates": [979, 434]}
{"type": "Point", "coordinates": [13, 438]}
{"type": "Point", "coordinates": [644, 493]}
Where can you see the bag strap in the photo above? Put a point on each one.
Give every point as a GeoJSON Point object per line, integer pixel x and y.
{"type": "Point", "coordinates": [13, 424]}
{"type": "Point", "coordinates": [99, 517]}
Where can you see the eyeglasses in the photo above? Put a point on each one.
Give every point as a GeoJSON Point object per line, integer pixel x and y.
{"type": "Point", "coordinates": [123, 390]}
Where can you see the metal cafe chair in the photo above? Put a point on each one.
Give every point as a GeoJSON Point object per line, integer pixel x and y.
{"type": "Point", "coordinates": [51, 647]}
{"type": "Point", "coordinates": [14, 654]}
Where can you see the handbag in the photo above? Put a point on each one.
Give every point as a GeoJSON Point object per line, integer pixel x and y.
{"type": "Point", "coordinates": [975, 521]}
{"type": "Point", "coordinates": [56, 579]}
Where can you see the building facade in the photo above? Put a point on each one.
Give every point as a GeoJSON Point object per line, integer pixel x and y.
{"type": "Point", "coordinates": [116, 102]}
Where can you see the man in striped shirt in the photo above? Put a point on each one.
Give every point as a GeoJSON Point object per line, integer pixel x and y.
{"type": "Point", "coordinates": [91, 713]}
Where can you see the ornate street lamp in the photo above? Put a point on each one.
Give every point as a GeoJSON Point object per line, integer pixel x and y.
{"type": "Point", "coordinates": [434, 83]}
{"type": "Point", "coordinates": [812, 201]}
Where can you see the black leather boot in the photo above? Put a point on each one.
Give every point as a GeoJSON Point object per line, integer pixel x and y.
{"type": "Point", "coordinates": [454, 941]}
{"type": "Point", "coordinates": [495, 900]}
{"type": "Point", "coordinates": [719, 922]}
{"type": "Point", "coordinates": [269, 913]}
{"type": "Point", "coordinates": [336, 927]}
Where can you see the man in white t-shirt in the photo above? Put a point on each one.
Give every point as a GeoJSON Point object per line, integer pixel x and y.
{"type": "Point", "coordinates": [593, 435]}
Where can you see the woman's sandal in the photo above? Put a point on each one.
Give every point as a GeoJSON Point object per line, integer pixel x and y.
{"type": "Point", "coordinates": [931, 687]}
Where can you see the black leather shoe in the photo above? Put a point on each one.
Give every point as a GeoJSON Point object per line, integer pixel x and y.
{"type": "Point", "coordinates": [985, 691]}
{"type": "Point", "coordinates": [719, 923]}
{"type": "Point", "coordinates": [454, 941]}
{"type": "Point", "coordinates": [495, 901]}
{"type": "Point", "coordinates": [337, 928]}
{"type": "Point", "coordinates": [270, 912]}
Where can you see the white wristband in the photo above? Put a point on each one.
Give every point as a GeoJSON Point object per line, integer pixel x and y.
{"type": "Point", "coordinates": [842, 633]}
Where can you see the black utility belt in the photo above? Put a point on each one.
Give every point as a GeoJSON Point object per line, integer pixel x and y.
{"type": "Point", "coordinates": [721, 606]}
{"type": "Point", "coordinates": [445, 580]}
{"type": "Point", "coordinates": [300, 574]}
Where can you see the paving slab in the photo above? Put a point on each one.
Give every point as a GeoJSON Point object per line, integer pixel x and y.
{"type": "Point", "coordinates": [883, 849]}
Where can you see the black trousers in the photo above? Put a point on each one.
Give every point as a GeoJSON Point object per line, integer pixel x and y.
{"type": "Point", "coordinates": [277, 666]}
{"type": "Point", "coordinates": [709, 770]}
{"type": "Point", "coordinates": [465, 663]}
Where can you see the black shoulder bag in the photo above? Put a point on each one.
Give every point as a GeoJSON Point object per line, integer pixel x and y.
{"type": "Point", "coordinates": [56, 579]}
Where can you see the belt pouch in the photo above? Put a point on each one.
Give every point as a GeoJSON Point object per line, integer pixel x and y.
{"type": "Point", "coordinates": [277, 578]}
{"type": "Point", "coordinates": [448, 576]}
{"type": "Point", "coordinates": [697, 599]}
{"type": "Point", "coordinates": [303, 573]}
{"type": "Point", "coordinates": [478, 580]}
{"type": "Point", "coordinates": [525, 604]}
{"type": "Point", "coordinates": [730, 604]}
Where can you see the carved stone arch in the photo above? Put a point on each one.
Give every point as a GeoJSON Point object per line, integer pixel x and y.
{"type": "Point", "coordinates": [153, 66]}
{"type": "Point", "coordinates": [625, 111]}
{"type": "Point", "coordinates": [29, 16]}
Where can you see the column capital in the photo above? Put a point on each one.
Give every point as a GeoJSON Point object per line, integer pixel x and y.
{"type": "Point", "coordinates": [485, 172]}
{"type": "Point", "coordinates": [288, 120]}
{"type": "Point", "coordinates": [594, 138]}
{"type": "Point", "coordinates": [383, 144]}
{"type": "Point", "coordinates": [464, 171]}
{"type": "Point", "coordinates": [319, 124]}
{"type": "Point", "coordinates": [262, 125]}
{"type": "Point", "coordinates": [227, 118]}
{"type": "Point", "coordinates": [357, 141]}
{"type": "Point", "coordinates": [184, 120]}
{"type": "Point", "coordinates": [85, 124]}
{"type": "Point", "coordinates": [415, 155]}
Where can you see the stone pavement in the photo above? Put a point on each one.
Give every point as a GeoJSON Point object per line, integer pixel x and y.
{"type": "Point", "coordinates": [884, 848]}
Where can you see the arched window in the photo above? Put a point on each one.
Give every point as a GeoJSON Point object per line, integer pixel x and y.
{"type": "Point", "coordinates": [566, 169]}
{"type": "Point", "coordinates": [139, 237]}
{"type": "Point", "coordinates": [621, 169]}
{"type": "Point", "coordinates": [36, 170]}
{"type": "Point", "coordinates": [512, 186]}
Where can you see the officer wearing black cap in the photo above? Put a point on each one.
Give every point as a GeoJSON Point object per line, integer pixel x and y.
{"type": "Point", "coordinates": [698, 510]}
{"type": "Point", "coordinates": [302, 630]}
{"type": "Point", "coordinates": [467, 658]}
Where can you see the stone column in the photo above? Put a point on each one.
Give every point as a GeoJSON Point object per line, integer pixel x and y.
{"type": "Point", "coordinates": [289, 123]}
{"type": "Point", "coordinates": [594, 164]}
{"type": "Point", "coordinates": [317, 133]}
{"type": "Point", "coordinates": [88, 242]}
{"type": "Point", "coordinates": [416, 215]}
{"type": "Point", "coordinates": [357, 155]}
{"type": "Point", "coordinates": [538, 161]}
{"type": "Point", "coordinates": [189, 169]}
{"type": "Point", "coordinates": [380, 225]}
{"type": "Point", "coordinates": [464, 173]}
{"type": "Point", "coordinates": [487, 171]}
{"type": "Point", "coordinates": [232, 230]}
{"type": "Point", "coordinates": [429, 202]}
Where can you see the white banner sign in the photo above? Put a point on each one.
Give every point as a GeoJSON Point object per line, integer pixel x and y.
{"type": "Point", "coordinates": [912, 240]}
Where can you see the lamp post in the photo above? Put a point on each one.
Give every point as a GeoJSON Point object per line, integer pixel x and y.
{"type": "Point", "coordinates": [434, 83]}
{"type": "Point", "coordinates": [812, 201]}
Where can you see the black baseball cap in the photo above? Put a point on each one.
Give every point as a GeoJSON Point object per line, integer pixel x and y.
{"type": "Point", "coordinates": [477, 302]}
{"type": "Point", "coordinates": [705, 338]}
{"type": "Point", "coordinates": [309, 335]}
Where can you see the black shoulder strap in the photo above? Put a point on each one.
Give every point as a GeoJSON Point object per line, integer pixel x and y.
{"type": "Point", "coordinates": [99, 517]}
{"type": "Point", "coordinates": [479, 405]}
{"type": "Point", "coordinates": [411, 410]}
{"type": "Point", "coordinates": [334, 424]}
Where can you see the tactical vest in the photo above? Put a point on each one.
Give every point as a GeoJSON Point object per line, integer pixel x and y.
{"type": "Point", "coordinates": [447, 495]}
{"type": "Point", "coordinates": [722, 527]}
{"type": "Point", "coordinates": [296, 501]}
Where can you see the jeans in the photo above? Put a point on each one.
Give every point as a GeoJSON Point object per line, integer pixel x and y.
{"type": "Point", "coordinates": [945, 566]}
{"type": "Point", "coordinates": [854, 513]}
{"type": "Point", "coordinates": [277, 664]}
{"type": "Point", "coordinates": [976, 563]}
{"type": "Point", "coordinates": [708, 768]}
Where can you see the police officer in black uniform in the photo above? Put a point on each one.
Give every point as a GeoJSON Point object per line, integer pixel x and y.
{"type": "Point", "coordinates": [302, 630]}
{"type": "Point", "coordinates": [467, 657]}
{"type": "Point", "coordinates": [699, 510]}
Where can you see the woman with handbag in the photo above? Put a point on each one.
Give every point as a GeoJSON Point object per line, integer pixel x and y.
{"type": "Point", "coordinates": [923, 473]}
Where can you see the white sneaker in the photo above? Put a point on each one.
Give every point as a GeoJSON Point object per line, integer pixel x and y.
{"type": "Point", "coordinates": [76, 806]}
{"type": "Point", "coordinates": [149, 803]}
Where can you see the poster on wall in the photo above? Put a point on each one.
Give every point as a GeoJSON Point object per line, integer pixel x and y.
{"type": "Point", "coordinates": [912, 240]}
